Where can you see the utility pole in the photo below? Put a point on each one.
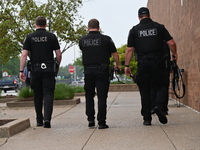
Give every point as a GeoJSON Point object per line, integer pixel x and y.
{"type": "Point", "coordinates": [74, 63]}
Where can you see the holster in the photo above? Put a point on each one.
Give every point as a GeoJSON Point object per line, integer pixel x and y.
{"type": "Point", "coordinates": [55, 67]}
{"type": "Point", "coordinates": [111, 73]}
{"type": "Point", "coordinates": [104, 67]}
{"type": "Point", "coordinates": [29, 65]}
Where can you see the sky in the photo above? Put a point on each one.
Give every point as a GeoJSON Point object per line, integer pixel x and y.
{"type": "Point", "coordinates": [116, 18]}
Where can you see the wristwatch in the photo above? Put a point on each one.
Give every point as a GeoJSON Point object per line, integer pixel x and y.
{"type": "Point", "coordinates": [126, 65]}
{"type": "Point", "coordinates": [21, 71]}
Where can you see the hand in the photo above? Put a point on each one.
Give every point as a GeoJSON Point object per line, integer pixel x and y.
{"type": "Point", "coordinates": [127, 71]}
{"type": "Point", "coordinates": [175, 56]}
{"type": "Point", "coordinates": [22, 77]}
{"type": "Point", "coordinates": [117, 69]}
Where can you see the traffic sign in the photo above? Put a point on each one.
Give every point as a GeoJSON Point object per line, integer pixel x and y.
{"type": "Point", "coordinates": [5, 74]}
{"type": "Point", "coordinates": [71, 69]}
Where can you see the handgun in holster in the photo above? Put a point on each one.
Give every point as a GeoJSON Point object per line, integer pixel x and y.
{"type": "Point", "coordinates": [29, 67]}
{"type": "Point", "coordinates": [55, 67]}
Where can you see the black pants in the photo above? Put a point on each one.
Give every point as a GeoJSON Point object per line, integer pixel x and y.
{"type": "Point", "coordinates": [43, 85]}
{"type": "Point", "coordinates": [99, 79]}
{"type": "Point", "coordinates": [164, 89]}
{"type": "Point", "coordinates": [151, 73]}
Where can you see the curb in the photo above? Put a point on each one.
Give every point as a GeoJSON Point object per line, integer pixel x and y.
{"type": "Point", "coordinates": [123, 87]}
{"type": "Point", "coordinates": [5, 100]}
{"type": "Point", "coordinates": [31, 103]}
{"type": "Point", "coordinates": [14, 127]}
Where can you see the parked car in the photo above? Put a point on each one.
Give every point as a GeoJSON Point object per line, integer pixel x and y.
{"type": "Point", "coordinates": [77, 83]}
{"type": "Point", "coordinates": [10, 83]}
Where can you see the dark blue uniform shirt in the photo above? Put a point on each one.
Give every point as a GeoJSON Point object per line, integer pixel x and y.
{"type": "Point", "coordinates": [147, 37]}
{"type": "Point", "coordinates": [41, 45]}
{"type": "Point", "coordinates": [96, 48]}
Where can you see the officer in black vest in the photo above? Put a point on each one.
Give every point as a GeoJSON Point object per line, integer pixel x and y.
{"type": "Point", "coordinates": [96, 52]}
{"type": "Point", "coordinates": [41, 46]}
{"type": "Point", "coordinates": [147, 38]}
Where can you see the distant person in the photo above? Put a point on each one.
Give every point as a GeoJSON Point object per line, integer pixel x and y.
{"type": "Point", "coordinates": [96, 52]}
{"type": "Point", "coordinates": [28, 76]}
{"type": "Point", "coordinates": [147, 38]}
{"type": "Point", "coordinates": [41, 45]}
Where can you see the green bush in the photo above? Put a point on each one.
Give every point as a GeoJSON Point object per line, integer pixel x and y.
{"type": "Point", "coordinates": [78, 89]}
{"type": "Point", "coordinates": [63, 91]}
{"type": "Point", "coordinates": [25, 93]}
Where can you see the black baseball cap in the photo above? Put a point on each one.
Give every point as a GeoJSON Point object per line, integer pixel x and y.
{"type": "Point", "coordinates": [143, 10]}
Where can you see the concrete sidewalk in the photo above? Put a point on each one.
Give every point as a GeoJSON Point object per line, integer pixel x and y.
{"type": "Point", "coordinates": [70, 132]}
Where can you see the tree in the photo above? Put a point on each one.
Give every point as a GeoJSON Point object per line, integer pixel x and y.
{"type": "Point", "coordinates": [17, 20]}
{"type": "Point", "coordinates": [12, 67]}
{"type": "Point", "coordinates": [133, 64]}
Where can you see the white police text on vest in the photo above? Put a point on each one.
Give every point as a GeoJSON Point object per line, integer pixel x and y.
{"type": "Point", "coordinates": [91, 42]}
{"type": "Point", "coordinates": [147, 32]}
{"type": "Point", "coordinates": [39, 39]}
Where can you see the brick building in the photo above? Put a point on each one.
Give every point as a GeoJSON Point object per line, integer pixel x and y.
{"type": "Point", "coordinates": [181, 18]}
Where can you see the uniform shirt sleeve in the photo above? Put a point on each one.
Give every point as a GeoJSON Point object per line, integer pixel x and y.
{"type": "Point", "coordinates": [26, 44]}
{"type": "Point", "coordinates": [131, 40]}
{"type": "Point", "coordinates": [56, 43]}
{"type": "Point", "coordinates": [111, 45]}
{"type": "Point", "coordinates": [166, 36]}
{"type": "Point", "coordinates": [80, 44]}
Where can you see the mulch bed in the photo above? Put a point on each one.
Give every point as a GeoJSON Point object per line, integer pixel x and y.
{"type": "Point", "coordinates": [8, 96]}
{"type": "Point", "coordinates": [3, 122]}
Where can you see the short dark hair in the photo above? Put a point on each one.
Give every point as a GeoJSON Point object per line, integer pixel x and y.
{"type": "Point", "coordinates": [93, 24]}
{"type": "Point", "coordinates": [41, 21]}
{"type": "Point", "coordinates": [144, 15]}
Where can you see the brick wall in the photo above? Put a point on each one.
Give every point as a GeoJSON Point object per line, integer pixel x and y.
{"type": "Point", "coordinates": [181, 18]}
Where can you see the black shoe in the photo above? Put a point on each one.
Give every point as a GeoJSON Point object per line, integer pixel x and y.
{"type": "Point", "coordinates": [47, 124]}
{"type": "Point", "coordinates": [91, 124]}
{"type": "Point", "coordinates": [161, 115]}
{"type": "Point", "coordinates": [147, 123]}
{"type": "Point", "coordinates": [152, 111]}
{"type": "Point", "coordinates": [39, 124]}
{"type": "Point", "coordinates": [105, 126]}
{"type": "Point", "coordinates": [166, 112]}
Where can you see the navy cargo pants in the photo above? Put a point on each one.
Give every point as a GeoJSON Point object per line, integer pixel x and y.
{"type": "Point", "coordinates": [152, 73]}
{"type": "Point", "coordinates": [43, 85]}
{"type": "Point", "coordinates": [96, 78]}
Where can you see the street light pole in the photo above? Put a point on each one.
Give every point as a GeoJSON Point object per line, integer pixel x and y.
{"type": "Point", "coordinates": [74, 64]}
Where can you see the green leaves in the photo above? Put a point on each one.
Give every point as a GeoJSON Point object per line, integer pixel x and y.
{"type": "Point", "coordinates": [133, 63]}
{"type": "Point", "coordinates": [17, 19]}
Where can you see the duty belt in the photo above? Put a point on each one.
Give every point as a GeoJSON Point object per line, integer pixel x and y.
{"type": "Point", "coordinates": [98, 66]}
{"type": "Point", "coordinates": [42, 65]}
{"type": "Point", "coordinates": [150, 56]}
{"type": "Point", "coordinates": [93, 66]}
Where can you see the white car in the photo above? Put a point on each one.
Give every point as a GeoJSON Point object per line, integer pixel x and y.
{"type": "Point", "coordinates": [77, 83]}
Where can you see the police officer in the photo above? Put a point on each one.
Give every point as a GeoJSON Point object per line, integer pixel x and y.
{"type": "Point", "coordinates": [147, 39]}
{"type": "Point", "coordinates": [41, 46]}
{"type": "Point", "coordinates": [96, 52]}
